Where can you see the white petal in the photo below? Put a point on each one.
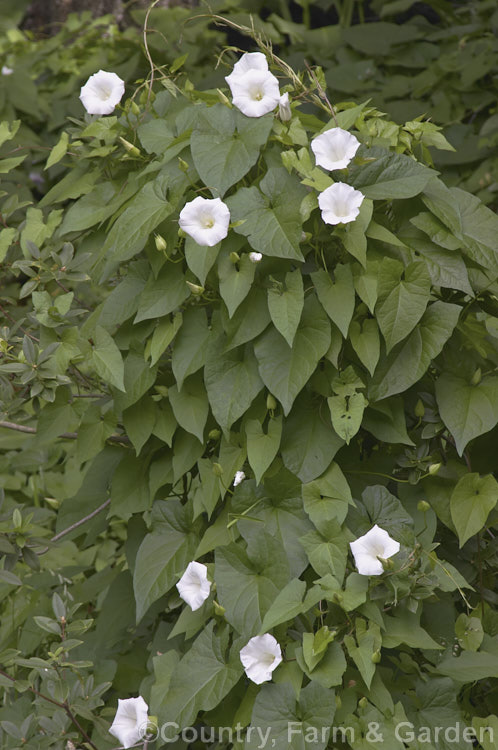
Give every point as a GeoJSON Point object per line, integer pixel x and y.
{"type": "Point", "coordinates": [255, 257]}
{"type": "Point", "coordinates": [335, 148]}
{"type": "Point", "coordinates": [340, 203]}
{"type": "Point", "coordinates": [369, 547]}
{"type": "Point", "coordinates": [260, 656]}
{"type": "Point", "coordinates": [284, 109]}
{"type": "Point", "coordinates": [205, 220]}
{"type": "Point", "coordinates": [194, 586]}
{"type": "Point", "coordinates": [239, 477]}
{"type": "Point", "coordinates": [6, 71]}
{"type": "Point", "coordinates": [248, 61]}
{"type": "Point", "coordinates": [102, 92]}
{"type": "Point", "coordinates": [256, 93]}
{"type": "Point", "coordinates": [130, 723]}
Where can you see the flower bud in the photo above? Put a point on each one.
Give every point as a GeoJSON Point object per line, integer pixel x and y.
{"type": "Point", "coordinates": [434, 468]}
{"type": "Point", "coordinates": [376, 657]}
{"type": "Point", "coordinates": [338, 702]}
{"type": "Point", "coordinates": [223, 98]}
{"type": "Point", "coordinates": [219, 611]}
{"type": "Point", "coordinates": [419, 409]}
{"type": "Point", "coordinates": [182, 164]}
{"type": "Point", "coordinates": [195, 288]}
{"type": "Point", "coordinates": [476, 377]}
{"type": "Point", "coordinates": [135, 108]}
{"type": "Point", "coordinates": [255, 257]}
{"type": "Point", "coordinates": [161, 244]}
{"type": "Point", "coordinates": [387, 564]}
{"type": "Point", "coordinates": [423, 506]}
{"type": "Point", "coordinates": [217, 470]}
{"type": "Point", "coordinates": [234, 257]}
{"type": "Point", "coordinates": [362, 703]}
{"type": "Point", "coordinates": [214, 434]}
{"type": "Point", "coordinates": [271, 402]}
{"type": "Point", "coordinates": [284, 109]}
{"type": "Point", "coordinates": [337, 597]}
{"type": "Point", "coordinates": [129, 147]}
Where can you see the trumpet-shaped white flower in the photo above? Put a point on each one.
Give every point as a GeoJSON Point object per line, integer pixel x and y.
{"type": "Point", "coordinates": [260, 657]}
{"type": "Point", "coordinates": [102, 92]}
{"type": "Point", "coordinates": [206, 220]}
{"type": "Point", "coordinates": [255, 93]}
{"type": "Point", "coordinates": [335, 148]}
{"type": "Point", "coordinates": [248, 61]}
{"type": "Point", "coordinates": [340, 203]}
{"type": "Point", "coordinates": [6, 71]}
{"type": "Point", "coordinates": [369, 547]}
{"type": "Point", "coordinates": [284, 109]}
{"type": "Point", "coordinates": [194, 586]}
{"type": "Point", "coordinates": [255, 257]}
{"type": "Point", "coordinates": [130, 723]}
{"type": "Point", "coordinates": [239, 477]}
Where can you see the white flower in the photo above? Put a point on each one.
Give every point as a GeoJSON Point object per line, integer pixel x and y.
{"type": "Point", "coordinates": [102, 92]}
{"type": "Point", "coordinates": [335, 148]}
{"type": "Point", "coordinates": [130, 722]}
{"type": "Point", "coordinates": [255, 257]}
{"type": "Point", "coordinates": [340, 203]}
{"type": "Point", "coordinates": [194, 586]}
{"type": "Point", "coordinates": [239, 477]}
{"type": "Point", "coordinates": [369, 547]}
{"type": "Point", "coordinates": [255, 93]}
{"type": "Point", "coordinates": [206, 220]}
{"type": "Point", "coordinates": [284, 110]}
{"type": "Point", "coordinates": [248, 61]}
{"type": "Point", "coordinates": [260, 657]}
{"type": "Point", "coordinates": [6, 71]}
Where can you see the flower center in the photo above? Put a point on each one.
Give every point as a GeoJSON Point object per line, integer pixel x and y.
{"type": "Point", "coordinates": [104, 94]}
{"type": "Point", "coordinates": [267, 659]}
{"type": "Point", "coordinates": [256, 93]}
{"type": "Point", "coordinates": [207, 221]}
{"type": "Point", "coordinates": [341, 209]}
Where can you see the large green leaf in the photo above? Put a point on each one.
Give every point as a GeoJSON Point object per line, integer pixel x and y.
{"type": "Point", "coordinates": [262, 446]}
{"type": "Point", "coordinates": [389, 175]}
{"type": "Point", "coordinates": [163, 556]}
{"type": "Point", "coordinates": [327, 498]}
{"type": "Point", "coordinates": [225, 145]}
{"type": "Point", "coordinates": [471, 502]}
{"type": "Point", "coordinates": [107, 359]}
{"type": "Point", "coordinates": [403, 294]}
{"type": "Point", "coordinates": [336, 295]}
{"type": "Point", "coordinates": [286, 305]}
{"type": "Point", "coordinates": [190, 405]}
{"type": "Point", "coordinates": [467, 410]}
{"type": "Point", "coordinates": [216, 671]}
{"type": "Point", "coordinates": [191, 344]}
{"type": "Point", "coordinates": [365, 340]}
{"type": "Point", "coordinates": [285, 370]}
{"type": "Point", "coordinates": [327, 550]}
{"type": "Point", "coordinates": [408, 361]}
{"type": "Point", "coordinates": [232, 382]}
{"type": "Point", "coordinates": [271, 214]}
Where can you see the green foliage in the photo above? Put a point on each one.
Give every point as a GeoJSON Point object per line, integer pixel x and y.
{"type": "Point", "coordinates": [350, 375]}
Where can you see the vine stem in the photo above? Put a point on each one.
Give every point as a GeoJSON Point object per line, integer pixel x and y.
{"type": "Point", "coordinates": [124, 439]}
{"type": "Point", "coordinates": [77, 524]}
{"type": "Point", "coordinates": [65, 706]}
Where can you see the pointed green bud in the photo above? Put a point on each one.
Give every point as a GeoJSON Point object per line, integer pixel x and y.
{"type": "Point", "coordinates": [161, 244]}
{"type": "Point", "coordinates": [363, 703]}
{"type": "Point", "coordinates": [218, 470]}
{"type": "Point", "coordinates": [129, 147]}
{"type": "Point", "coordinates": [419, 409]}
{"type": "Point", "coordinates": [219, 611]}
{"type": "Point", "coordinates": [476, 377]}
{"type": "Point", "coordinates": [214, 434]}
{"type": "Point", "coordinates": [223, 98]}
{"type": "Point", "coordinates": [195, 288]}
{"type": "Point", "coordinates": [182, 164]}
{"type": "Point", "coordinates": [423, 506]}
{"type": "Point", "coordinates": [434, 468]}
{"type": "Point", "coordinates": [135, 108]}
{"type": "Point", "coordinates": [271, 402]}
{"type": "Point", "coordinates": [234, 257]}
{"type": "Point", "coordinates": [376, 657]}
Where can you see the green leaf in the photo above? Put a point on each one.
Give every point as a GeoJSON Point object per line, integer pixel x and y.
{"type": "Point", "coordinates": [286, 305]}
{"type": "Point", "coordinates": [270, 214]}
{"type": "Point", "coordinates": [365, 340]}
{"type": "Point", "coordinates": [467, 410]}
{"type": "Point", "coordinates": [289, 725]}
{"type": "Point", "coordinates": [469, 666]}
{"type": "Point", "coordinates": [8, 130]}
{"type": "Point", "coordinates": [232, 382]}
{"type": "Point", "coordinates": [404, 628]}
{"type": "Point", "coordinates": [346, 413]}
{"type": "Point", "coordinates": [353, 235]}
{"type": "Point", "coordinates": [287, 605]}
{"type": "Point", "coordinates": [285, 370]}
{"type": "Point", "coordinates": [386, 421]}
{"type": "Point", "coordinates": [107, 359]}
{"type": "Point", "coordinates": [369, 641]}
{"type": "Point", "coordinates": [327, 499]}
{"type": "Point", "coordinates": [216, 672]}
{"type": "Point", "coordinates": [163, 335]}
{"type": "Point", "coordinates": [336, 295]}
{"type": "Point", "coordinates": [469, 632]}
{"type": "Point", "coordinates": [162, 295]}
{"type": "Point", "coordinates": [226, 145]}
{"type": "Point", "coordinates": [327, 550]}
{"type": "Point", "coordinates": [389, 176]}
{"type": "Point", "coordinates": [406, 364]}
{"type": "Point", "coordinates": [200, 259]}
{"type": "Point", "coordinates": [235, 278]}
{"type": "Point", "coordinates": [58, 151]}
{"type": "Point", "coordinates": [471, 502]}
{"type": "Point", "coordinates": [191, 344]}
{"type": "Point", "coordinates": [403, 294]}
{"type": "Point", "coordinates": [249, 320]}
{"type": "Point", "coordinates": [248, 583]}
{"type": "Point", "coordinates": [163, 556]}
{"type": "Point", "coordinates": [262, 447]}
{"type": "Point", "coordinates": [190, 405]}
{"type": "Point", "coordinates": [331, 668]}
{"type": "Point", "coordinates": [139, 420]}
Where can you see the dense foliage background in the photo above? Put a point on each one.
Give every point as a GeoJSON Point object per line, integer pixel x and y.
{"type": "Point", "coordinates": [351, 374]}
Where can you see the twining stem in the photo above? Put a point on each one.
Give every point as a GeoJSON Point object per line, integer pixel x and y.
{"type": "Point", "coordinates": [67, 435]}
{"type": "Point", "coordinates": [77, 524]}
